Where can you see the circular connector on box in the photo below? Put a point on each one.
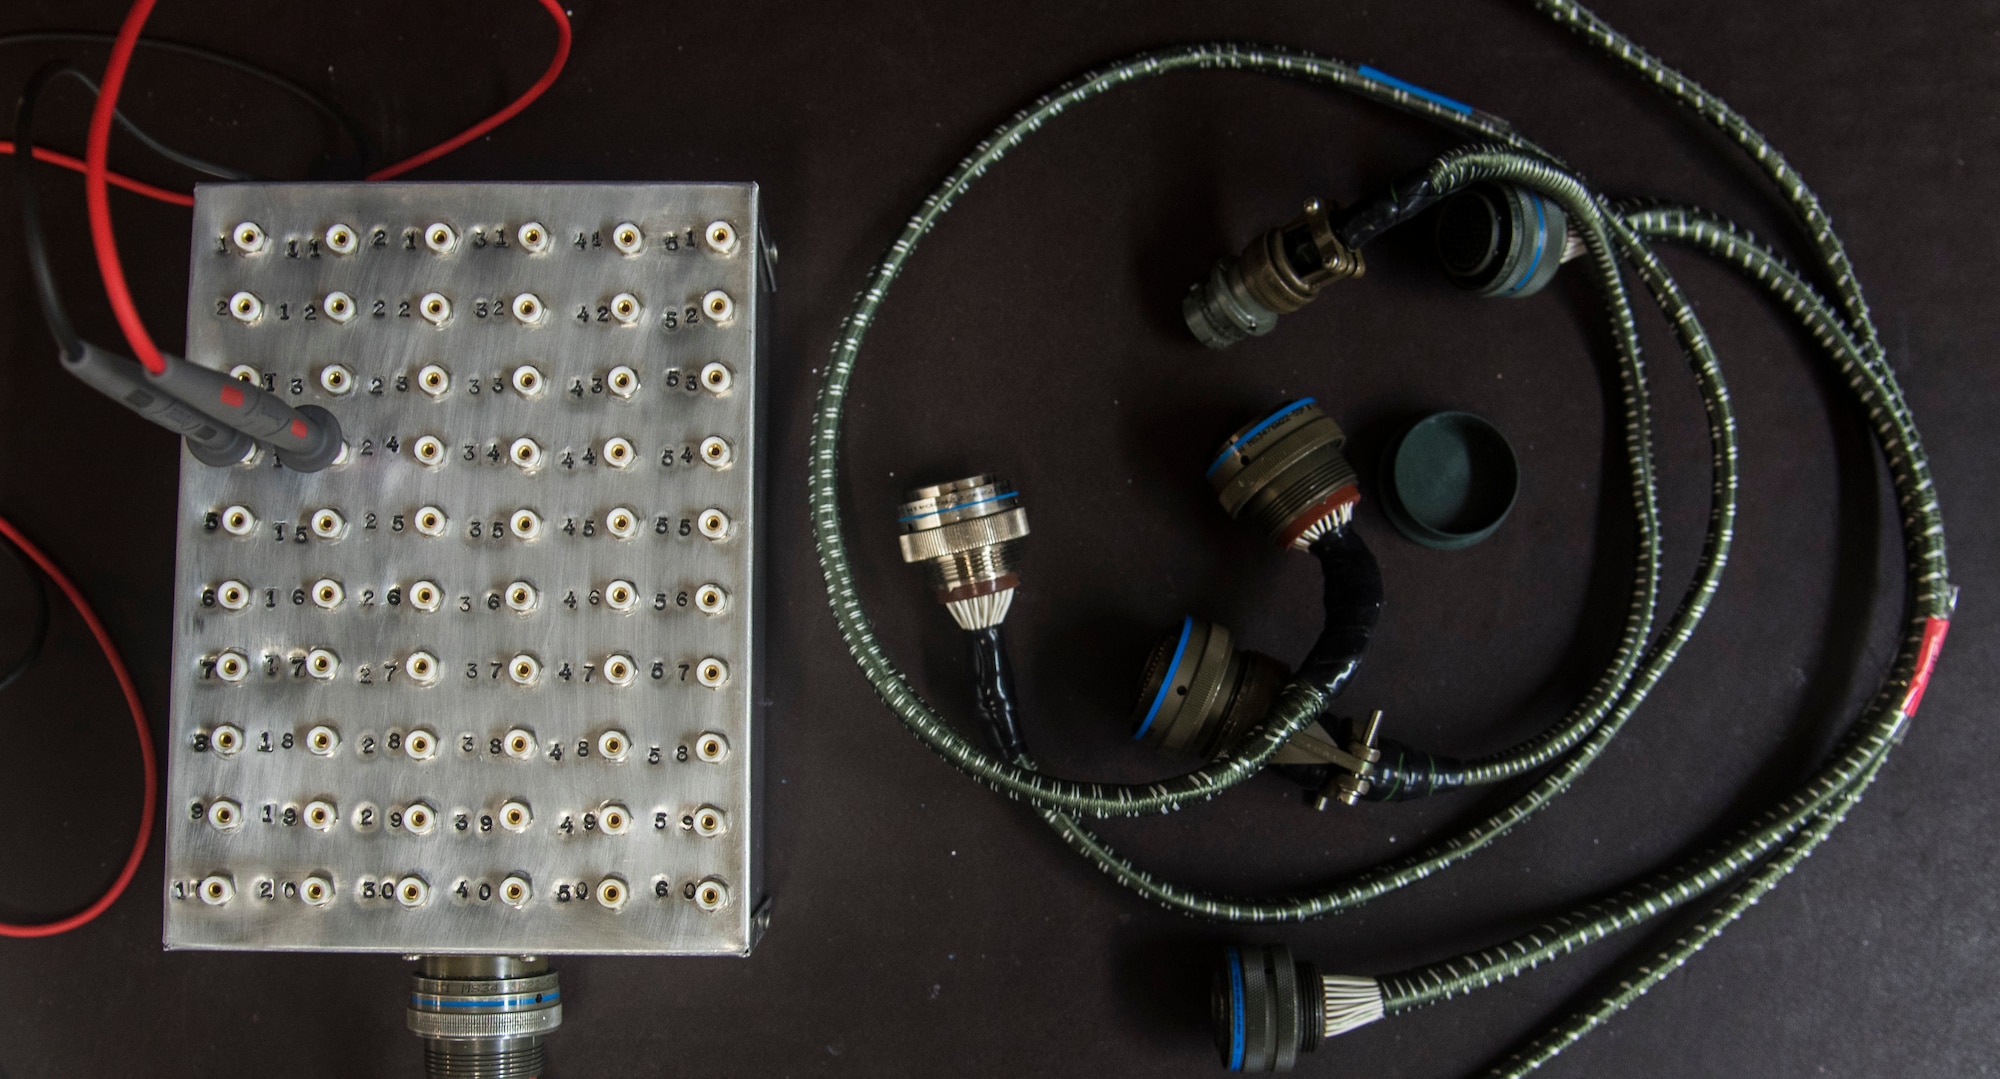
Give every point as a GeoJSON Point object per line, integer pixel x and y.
{"type": "Point", "coordinates": [526, 454]}
{"type": "Point", "coordinates": [434, 308]}
{"type": "Point", "coordinates": [426, 596]}
{"type": "Point", "coordinates": [716, 377]}
{"type": "Point", "coordinates": [533, 237]}
{"type": "Point", "coordinates": [232, 666]}
{"type": "Point", "coordinates": [327, 594]}
{"type": "Point", "coordinates": [711, 599]}
{"type": "Point", "coordinates": [1498, 239]}
{"type": "Point", "coordinates": [626, 308]}
{"type": "Point", "coordinates": [328, 524]}
{"type": "Point", "coordinates": [431, 521]}
{"type": "Point", "coordinates": [320, 815]}
{"type": "Point", "coordinates": [226, 739]}
{"type": "Point", "coordinates": [524, 669]}
{"type": "Point", "coordinates": [611, 893]}
{"type": "Point", "coordinates": [244, 372]}
{"type": "Point", "coordinates": [967, 534]}
{"type": "Point", "coordinates": [622, 522]}
{"type": "Point", "coordinates": [1200, 695]}
{"type": "Point", "coordinates": [433, 380]}
{"type": "Point", "coordinates": [712, 673]}
{"type": "Point", "coordinates": [614, 819]}
{"type": "Point", "coordinates": [238, 520]}
{"type": "Point", "coordinates": [717, 305]}
{"type": "Point", "coordinates": [528, 380]}
{"type": "Point", "coordinates": [522, 597]}
{"type": "Point", "coordinates": [422, 667]}
{"type": "Point", "coordinates": [419, 819]}
{"type": "Point", "coordinates": [341, 239]}
{"type": "Point", "coordinates": [525, 524]}
{"type": "Point", "coordinates": [216, 889]}
{"type": "Point", "coordinates": [225, 815]}
{"type": "Point", "coordinates": [1285, 475]}
{"type": "Point", "coordinates": [420, 744]}
{"type": "Point", "coordinates": [621, 596]}
{"type": "Point", "coordinates": [711, 895]}
{"type": "Point", "coordinates": [336, 379]}
{"type": "Point", "coordinates": [721, 237]}
{"type": "Point", "coordinates": [613, 745]}
{"type": "Point", "coordinates": [440, 238]}
{"type": "Point", "coordinates": [322, 664]}
{"type": "Point", "coordinates": [413, 891]}
{"type": "Point", "coordinates": [316, 891]}
{"type": "Point", "coordinates": [519, 743]}
{"type": "Point", "coordinates": [322, 741]}
{"type": "Point", "coordinates": [709, 822]}
{"type": "Point", "coordinates": [515, 891]}
{"type": "Point", "coordinates": [248, 237]}
{"type": "Point", "coordinates": [339, 306]}
{"type": "Point", "coordinates": [619, 670]}
{"type": "Point", "coordinates": [528, 309]}
{"type": "Point", "coordinates": [627, 238]}
{"type": "Point", "coordinates": [618, 452]}
{"type": "Point", "coordinates": [232, 595]}
{"type": "Point", "coordinates": [711, 747]}
{"type": "Point", "coordinates": [713, 524]}
{"type": "Point", "coordinates": [624, 381]}
{"type": "Point", "coordinates": [516, 817]}
{"type": "Point", "coordinates": [716, 452]}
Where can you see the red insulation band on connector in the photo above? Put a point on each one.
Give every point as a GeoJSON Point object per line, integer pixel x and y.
{"type": "Point", "coordinates": [1927, 657]}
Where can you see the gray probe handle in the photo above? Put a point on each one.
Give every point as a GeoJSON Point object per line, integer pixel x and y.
{"type": "Point", "coordinates": [305, 439]}
{"type": "Point", "coordinates": [127, 383]}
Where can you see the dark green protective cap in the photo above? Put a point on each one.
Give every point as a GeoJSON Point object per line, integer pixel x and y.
{"type": "Point", "coordinates": [1450, 480]}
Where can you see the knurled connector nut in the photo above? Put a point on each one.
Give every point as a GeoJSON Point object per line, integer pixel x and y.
{"type": "Point", "coordinates": [1318, 432]}
{"type": "Point", "coordinates": [959, 536]}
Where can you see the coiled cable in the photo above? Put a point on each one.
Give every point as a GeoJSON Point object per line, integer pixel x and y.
{"type": "Point", "coordinates": [1758, 853]}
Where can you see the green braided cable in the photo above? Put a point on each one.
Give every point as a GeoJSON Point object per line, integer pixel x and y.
{"type": "Point", "coordinates": [1869, 376]}
{"type": "Point", "coordinates": [1718, 113]}
{"type": "Point", "coordinates": [1662, 892]}
{"type": "Point", "coordinates": [1299, 704]}
{"type": "Point", "coordinates": [1634, 984]}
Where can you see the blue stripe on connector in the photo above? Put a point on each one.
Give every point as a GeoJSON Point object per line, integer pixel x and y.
{"type": "Point", "coordinates": [1541, 244]}
{"type": "Point", "coordinates": [1236, 1021]}
{"type": "Point", "coordinates": [1431, 96]}
{"type": "Point", "coordinates": [1166, 680]}
{"type": "Point", "coordinates": [504, 1002]}
{"type": "Point", "coordinates": [955, 509]}
{"type": "Point", "coordinates": [1254, 432]}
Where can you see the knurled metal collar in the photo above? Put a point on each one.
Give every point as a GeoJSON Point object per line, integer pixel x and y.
{"type": "Point", "coordinates": [1259, 452]}
{"type": "Point", "coordinates": [964, 535]}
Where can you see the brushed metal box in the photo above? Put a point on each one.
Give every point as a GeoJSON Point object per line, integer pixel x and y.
{"type": "Point", "coordinates": [627, 275]}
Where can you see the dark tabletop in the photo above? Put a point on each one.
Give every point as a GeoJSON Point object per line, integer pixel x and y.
{"type": "Point", "coordinates": [924, 926]}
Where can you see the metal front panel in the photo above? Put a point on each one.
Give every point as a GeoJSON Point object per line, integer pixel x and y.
{"type": "Point", "coordinates": [370, 699]}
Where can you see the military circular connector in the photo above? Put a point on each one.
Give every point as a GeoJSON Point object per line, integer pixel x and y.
{"type": "Point", "coordinates": [1502, 240]}
{"type": "Point", "coordinates": [483, 1016]}
{"type": "Point", "coordinates": [1280, 271]}
{"type": "Point", "coordinates": [1267, 1009]}
{"type": "Point", "coordinates": [1285, 475]}
{"type": "Point", "coordinates": [1201, 695]}
{"type": "Point", "coordinates": [967, 533]}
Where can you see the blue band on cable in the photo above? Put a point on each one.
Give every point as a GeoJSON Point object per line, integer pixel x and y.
{"type": "Point", "coordinates": [1254, 432]}
{"type": "Point", "coordinates": [1236, 1021]}
{"type": "Point", "coordinates": [1413, 89]}
{"type": "Point", "coordinates": [1166, 680]}
{"type": "Point", "coordinates": [954, 509]}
